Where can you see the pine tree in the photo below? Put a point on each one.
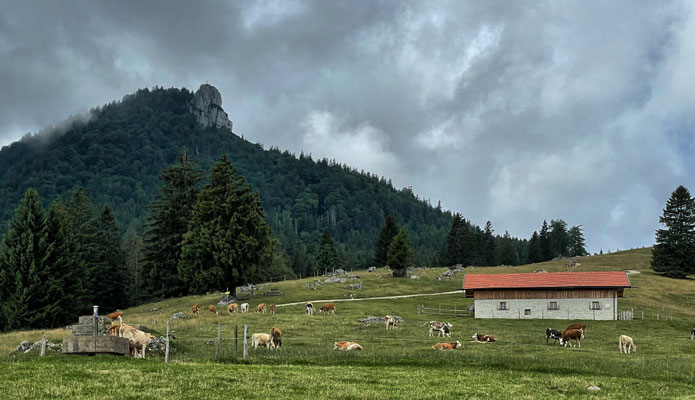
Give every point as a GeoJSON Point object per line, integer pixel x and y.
{"type": "Point", "coordinates": [577, 245]}
{"type": "Point", "coordinates": [228, 240]}
{"type": "Point", "coordinates": [328, 256]}
{"type": "Point", "coordinates": [133, 247]}
{"type": "Point", "coordinates": [674, 251]}
{"type": "Point", "coordinates": [109, 274]}
{"type": "Point", "coordinates": [534, 249]}
{"type": "Point", "coordinates": [508, 252]}
{"type": "Point", "coordinates": [544, 243]}
{"type": "Point", "coordinates": [559, 239]}
{"type": "Point", "coordinates": [84, 224]}
{"type": "Point", "coordinates": [22, 272]}
{"type": "Point", "coordinates": [388, 232]}
{"type": "Point", "coordinates": [170, 213]}
{"type": "Point", "coordinates": [490, 248]}
{"type": "Point", "coordinates": [400, 254]}
{"type": "Point", "coordinates": [460, 243]}
{"type": "Point", "coordinates": [452, 248]}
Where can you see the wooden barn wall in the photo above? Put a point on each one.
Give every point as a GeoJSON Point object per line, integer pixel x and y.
{"type": "Point", "coordinates": [544, 294]}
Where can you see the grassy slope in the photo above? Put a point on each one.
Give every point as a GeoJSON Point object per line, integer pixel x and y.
{"type": "Point", "coordinates": [397, 363]}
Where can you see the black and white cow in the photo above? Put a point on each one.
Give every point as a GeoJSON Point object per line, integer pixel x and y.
{"type": "Point", "coordinates": [552, 334]}
{"type": "Point", "coordinates": [441, 328]}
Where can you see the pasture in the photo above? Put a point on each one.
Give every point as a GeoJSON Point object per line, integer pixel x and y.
{"type": "Point", "coordinates": [394, 364]}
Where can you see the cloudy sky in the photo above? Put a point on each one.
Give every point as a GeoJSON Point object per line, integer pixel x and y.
{"type": "Point", "coordinates": [510, 111]}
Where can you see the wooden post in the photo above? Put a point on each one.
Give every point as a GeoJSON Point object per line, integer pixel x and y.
{"type": "Point", "coordinates": [657, 316]}
{"type": "Point", "coordinates": [43, 345]}
{"type": "Point", "coordinates": [236, 338]}
{"type": "Point", "coordinates": [166, 347]}
{"type": "Point", "coordinates": [219, 339]}
{"type": "Point", "coordinates": [642, 315]}
{"type": "Point", "coordinates": [246, 344]}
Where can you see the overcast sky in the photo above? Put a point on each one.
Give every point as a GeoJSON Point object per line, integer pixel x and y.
{"type": "Point", "coordinates": [509, 111]}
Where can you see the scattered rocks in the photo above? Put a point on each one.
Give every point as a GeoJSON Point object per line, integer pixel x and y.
{"type": "Point", "coordinates": [414, 277]}
{"type": "Point", "coordinates": [179, 315]}
{"type": "Point", "coordinates": [252, 288]}
{"type": "Point", "coordinates": [156, 309]}
{"type": "Point", "coordinates": [354, 286]}
{"type": "Point", "coordinates": [594, 388]}
{"type": "Point", "coordinates": [540, 271]}
{"type": "Point", "coordinates": [335, 279]}
{"type": "Point", "coordinates": [313, 285]}
{"type": "Point", "coordinates": [380, 320]}
{"type": "Point", "coordinates": [27, 346]}
{"type": "Point", "coordinates": [451, 272]}
{"type": "Point", "coordinates": [354, 277]}
{"type": "Point", "coordinates": [157, 344]}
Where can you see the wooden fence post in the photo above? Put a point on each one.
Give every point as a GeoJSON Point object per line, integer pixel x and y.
{"type": "Point", "coordinates": [246, 344]}
{"type": "Point", "coordinates": [236, 339]}
{"type": "Point", "coordinates": [217, 355]}
{"type": "Point", "coordinates": [166, 347]}
{"type": "Point", "coordinates": [43, 345]}
{"type": "Point", "coordinates": [642, 315]}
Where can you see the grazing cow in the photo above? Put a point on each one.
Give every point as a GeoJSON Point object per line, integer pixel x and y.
{"type": "Point", "coordinates": [447, 346]}
{"type": "Point", "coordinates": [244, 308]}
{"type": "Point", "coordinates": [328, 307]}
{"type": "Point", "coordinates": [309, 308]}
{"type": "Point", "coordinates": [261, 308]}
{"type": "Point", "coordinates": [275, 338]}
{"type": "Point", "coordinates": [347, 346]}
{"type": "Point", "coordinates": [232, 308]}
{"type": "Point", "coordinates": [625, 344]}
{"type": "Point", "coordinates": [390, 322]}
{"type": "Point", "coordinates": [260, 339]}
{"type": "Point", "coordinates": [114, 316]}
{"type": "Point", "coordinates": [138, 339]}
{"type": "Point", "coordinates": [478, 337]}
{"type": "Point", "coordinates": [572, 334]}
{"type": "Point", "coordinates": [692, 334]}
{"type": "Point", "coordinates": [272, 309]}
{"type": "Point", "coordinates": [577, 327]}
{"type": "Point", "coordinates": [213, 310]}
{"type": "Point", "coordinates": [195, 309]}
{"type": "Point", "coordinates": [441, 328]}
{"type": "Point", "coordinates": [552, 334]}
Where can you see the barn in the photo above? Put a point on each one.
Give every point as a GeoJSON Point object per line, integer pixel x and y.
{"type": "Point", "coordinates": [549, 295]}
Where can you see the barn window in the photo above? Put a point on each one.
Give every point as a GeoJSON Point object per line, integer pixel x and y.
{"type": "Point", "coordinates": [527, 311]}
{"type": "Point", "coordinates": [595, 305]}
{"type": "Point", "coordinates": [553, 305]}
{"type": "Point", "coordinates": [502, 305]}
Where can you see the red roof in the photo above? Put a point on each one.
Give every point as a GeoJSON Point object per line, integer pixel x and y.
{"type": "Point", "coordinates": [546, 280]}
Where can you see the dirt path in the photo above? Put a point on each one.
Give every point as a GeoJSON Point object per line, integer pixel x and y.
{"type": "Point", "coordinates": [401, 296]}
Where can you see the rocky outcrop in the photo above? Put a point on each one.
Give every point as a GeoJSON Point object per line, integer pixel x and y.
{"type": "Point", "coordinates": [207, 108]}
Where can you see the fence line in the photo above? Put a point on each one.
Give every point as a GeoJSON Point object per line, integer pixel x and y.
{"type": "Point", "coordinates": [422, 309]}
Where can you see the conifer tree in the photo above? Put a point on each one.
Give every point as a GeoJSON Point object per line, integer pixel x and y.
{"type": "Point", "coordinates": [108, 274]}
{"type": "Point", "coordinates": [544, 243]}
{"type": "Point", "coordinates": [559, 239]}
{"type": "Point", "coordinates": [328, 256]}
{"type": "Point", "coordinates": [490, 248]}
{"type": "Point", "coordinates": [81, 214]}
{"type": "Point", "coordinates": [508, 252]}
{"type": "Point", "coordinates": [534, 249]}
{"type": "Point", "coordinates": [400, 254]}
{"type": "Point", "coordinates": [673, 254]}
{"type": "Point", "coordinates": [577, 245]}
{"type": "Point", "coordinates": [170, 214]}
{"type": "Point", "coordinates": [133, 247]}
{"type": "Point", "coordinates": [388, 232]}
{"type": "Point", "coordinates": [228, 240]}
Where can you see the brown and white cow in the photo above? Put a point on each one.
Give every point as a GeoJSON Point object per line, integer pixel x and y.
{"type": "Point", "coordinates": [272, 309]}
{"type": "Point", "coordinates": [625, 344]}
{"type": "Point", "coordinates": [260, 339]}
{"type": "Point", "coordinates": [572, 334]}
{"type": "Point", "coordinates": [232, 308]}
{"type": "Point", "coordinates": [447, 346]}
{"type": "Point", "coordinates": [479, 337]}
{"type": "Point", "coordinates": [114, 330]}
{"type": "Point", "coordinates": [195, 309]}
{"type": "Point", "coordinates": [213, 310]}
{"type": "Point", "coordinates": [114, 316]}
{"type": "Point", "coordinates": [328, 307]}
{"type": "Point", "coordinates": [347, 346]}
{"type": "Point", "coordinates": [138, 339]}
{"type": "Point", "coordinates": [261, 308]}
{"type": "Point", "coordinates": [275, 338]}
{"type": "Point", "coordinates": [441, 328]}
{"type": "Point", "coordinates": [577, 327]}
{"type": "Point", "coordinates": [390, 321]}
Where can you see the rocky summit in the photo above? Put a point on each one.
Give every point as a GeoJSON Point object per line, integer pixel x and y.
{"type": "Point", "coordinates": [207, 108]}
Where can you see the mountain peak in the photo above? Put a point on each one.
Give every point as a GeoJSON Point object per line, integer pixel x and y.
{"type": "Point", "coordinates": [207, 108]}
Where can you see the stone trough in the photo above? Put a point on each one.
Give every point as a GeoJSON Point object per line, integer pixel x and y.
{"type": "Point", "coordinates": [91, 345]}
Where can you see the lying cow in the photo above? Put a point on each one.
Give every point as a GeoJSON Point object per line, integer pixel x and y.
{"type": "Point", "coordinates": [309, 308]}
{"type": "Point", "coordinates": [347, 346]}
{"type": "Point", "coordinates": [625, 344]}
{"type": "Point", "coordinates": [275, 338]}
{"type": "Point", "coordinates": [441, 328]}
{"type": "Point", "coordinates": [232, 308]}
{"type": "Point", "coordinates": [138, 339]}
{"type": "Point", "coordinates": [572, 334]}
{"type": "Point", "coordinates": [480, 338]}
{"type": "Point", "coordinates": [260, 339]}
{"type": "Point", "coordinates": [447, 346]}
{"type": "Point", "coordinates": [328, 307]}
{"type": "Point", "coordinates": [195, 309]}
{"type": "Point", "coordinates": [552, 334]}
{"type": "Point", "coordinates": [390, 322]}
{"type": "Point", "coordinates": [577, 327]}
{"type": "Point", "coordinates": [213, 310]}
{"type": "Point", "coordinates": [244, 308]}
{"type": "Point", "coordinates": [261, 308]}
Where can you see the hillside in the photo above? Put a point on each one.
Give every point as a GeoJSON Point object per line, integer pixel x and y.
{"type": "Point", "coordinates": [118, 153]}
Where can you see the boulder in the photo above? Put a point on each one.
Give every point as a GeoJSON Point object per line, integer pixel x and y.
{"type": "Point", "coordinates": [335, 279]}
{"type": "Point", "coordinates": [178, 315]}
{"type": "Point", "coordinates": [354, 286]}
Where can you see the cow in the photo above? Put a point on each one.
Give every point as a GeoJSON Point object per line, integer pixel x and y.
{"type": "Point", "coordinates": [625, 344]}
{"type": "Point", "coordinates": [213, 310]}
{"type": "Point", "coordinates": [275, 338]}
{"type": "Point", "coordinates": [552, 334]}
{"type": "Point", "coordinates": [309, 308]}
{"type": "Point", "coordinates": [478, 337]}
{"type": "Point", "coordinates": [328, 307]}
{"type": "Point", "coordinates": [577, 327]}
{"type": "Point", "coordinates": [244, 308]}
{"type": "Point", "coordinates": [195, 309]}
{"type": "Point", "coordinates": [692, 334]}
{"type": "Point", "coordinates": [272, 309]}
{"type": "Point", "coordinates": [138, 339]}
{"type": "Point", "coordinates": [572, 334]}
{"type": "Point", "coordinates": [447, 346]}
{"type": "Point", "coordinates": [347, 346]}
{"type": "Point", "coordinates": [260, 339]}
{"type": "Point", "coordinates": [441, 328]}
{"type": "Point", "coordinates": [114, 316]}
{"type": "Point", "coordinates": [390, 322]}
{"type": "Point", "coordinates": [114, 330]}
{"type": "Point", "coordinates": [232, 308]}
{"type": "Point", "coordinates": [261, 308]}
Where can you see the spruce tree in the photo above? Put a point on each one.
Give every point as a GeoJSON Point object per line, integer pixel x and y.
{"type": "Point", "coordinates": [388, 232]}
{"type": "Point", "coordinates": [400, 254]}
{"type": "Point", "coordinates": [109, 274]}
{"type": "Point", "coordinates": [673, 255]}
{"type": "Point", "coordinates": [577, 245]}
{"type": "Point", "coordinates": [133, 247]}
{"type": "Point", "coordinates": [228, 240]}
{"type": "Point", "coordinates": [490, 248]}
{"type": "Point", "coordinates": [170, 213]}
{"type": "Point", "coordinates": [84, 223]}
{"type": "Point", "coordinates": [559, 239]}
{"type": "Point", "coordinates": [508, 251]}
{"type": "Point", "coordinates": [22, 271]}
{"type": "Point", "coordinates": [534, 249]}
{"type": "Point", "coordinates": [544, 243]}
{"type": "Point", "coordinates": [328, 256]}
{"type": "Point", "coordinates": [453, 241]}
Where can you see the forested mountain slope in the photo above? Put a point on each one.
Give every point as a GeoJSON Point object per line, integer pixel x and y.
{"type": "Point", "coordinates": [117, 156]}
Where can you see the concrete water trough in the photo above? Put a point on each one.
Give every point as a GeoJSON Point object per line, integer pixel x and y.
{"type": "Point", "coordinates": [91, 345]}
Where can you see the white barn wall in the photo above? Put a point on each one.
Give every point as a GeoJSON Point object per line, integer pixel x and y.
{"type": "Point", "coordinates": [568, 309]}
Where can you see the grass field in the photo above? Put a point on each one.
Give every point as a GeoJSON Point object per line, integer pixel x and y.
{"type": "Point", "coordinates": [393, 364]}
